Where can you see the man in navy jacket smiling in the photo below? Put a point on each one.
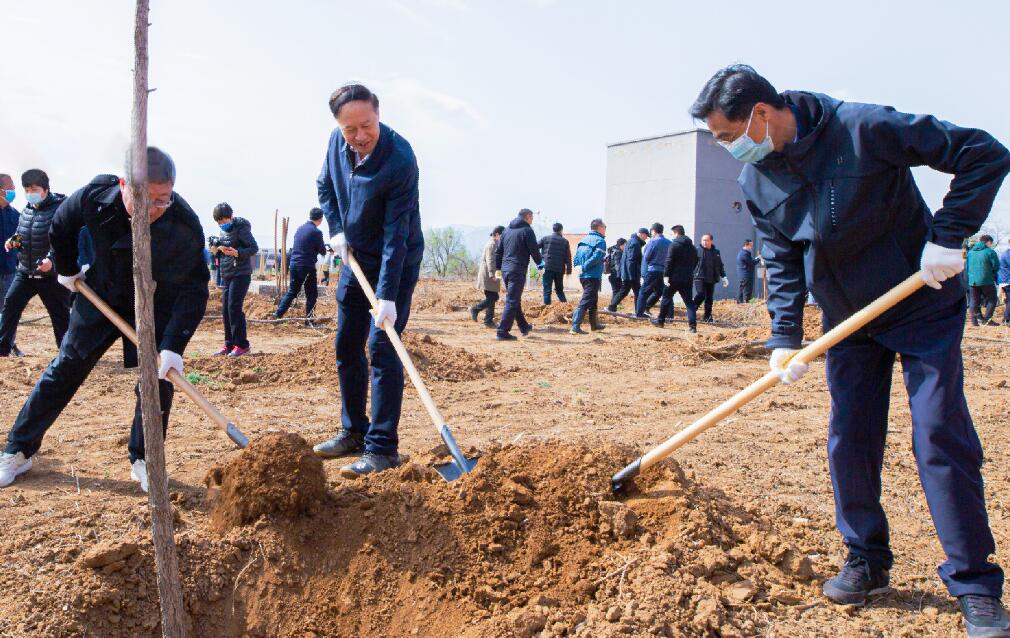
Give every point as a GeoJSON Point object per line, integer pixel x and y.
{"type": "Point", "coordinates": [830, 189]}
{"type": "Point", "coordinates": [368, 190]}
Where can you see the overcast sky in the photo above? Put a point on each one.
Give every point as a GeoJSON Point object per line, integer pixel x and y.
{"type": "Point", "coordinates": [507, 103]}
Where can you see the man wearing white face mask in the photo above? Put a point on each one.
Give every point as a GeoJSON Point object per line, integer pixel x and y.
{"type": "Point", "coordinates": [830, 188]}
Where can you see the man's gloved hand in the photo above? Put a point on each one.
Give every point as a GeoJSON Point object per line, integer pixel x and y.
{"type": "Point", "coordinates": [725, 282]}
{"type": "Point", "coordinates": [497, 275]}
{"type": "Point", "coordinates": [788, 372]}
{"type": "Point", "coordinates": [339, 245]}
{"type": "Point", "coordinates": [169, 360]}
{"type": "Point", "coordinates": [70, 281]}
{"type": "Point", "coordinates": [939, 264]}
{"type": "Point", "coordinates": [386, 310]}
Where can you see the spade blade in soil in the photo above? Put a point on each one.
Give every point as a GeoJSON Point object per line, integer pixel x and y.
{"type": "Point", "coordinates": [460, 464]}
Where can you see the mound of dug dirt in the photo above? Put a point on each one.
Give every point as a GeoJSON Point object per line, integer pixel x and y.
{"type": "Point", "coordinates": [276, 476]}
{"type": "Point", "coordinates": [561, 314]}
{"type": "Point", "coordinates": [531, 543]}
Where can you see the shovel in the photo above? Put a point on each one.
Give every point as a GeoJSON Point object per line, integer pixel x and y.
{"type": "Point", "coordinates": [460, 465]}
{"type": "Point", "coordinates": [173, 375]}
{"type": "Point", "coordinates": [769, 380]}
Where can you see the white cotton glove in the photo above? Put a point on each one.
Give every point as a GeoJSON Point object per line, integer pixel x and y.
{"type": "Point", "coordinates": [939, 264]}
{"type": "Point", "coordinates": [386, 310]}
{"type": "Point", "coordinates": [339, 245]}
{"type": "Point", "coordinates": [725, 282]}
{"type": "Point", "coordinates": [792, 372]}
{"type": "Point", "coordinates": [70, 281]}
{"type": "Point", "coordinates": [169, 360]}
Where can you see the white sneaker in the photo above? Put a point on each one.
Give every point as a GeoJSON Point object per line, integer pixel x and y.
{"type": "Point", "coordinates": [11, 465]}
{"type": "Point", "coordinates": [139, 473]}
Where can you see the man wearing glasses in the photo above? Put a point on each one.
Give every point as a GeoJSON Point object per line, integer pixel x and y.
{"type": "Point", "coordinates": [180, 275]}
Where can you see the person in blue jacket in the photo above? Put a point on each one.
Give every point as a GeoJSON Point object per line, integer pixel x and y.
{"type": "Point", "coordinates": [306, 250]}
{"type": "Point", "coordinates": [745, 264]}
{"type": "Point", "coordinates": [831, 192]}
{"type": "Point", "coordinates": [630, 269]}
{"type": "Point", "coordinates": [1003, 282]}
{"type": "Point", "coordinates": [589, 257]}
{"type": "Point", "coordinates": [653, 264]}
{"type": "Point", "coordinates": [368, 190]}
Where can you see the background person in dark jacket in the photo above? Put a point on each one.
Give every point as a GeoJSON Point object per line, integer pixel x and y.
{"type": "Point", "coordinates": [982, 267]}
{"type": "Point", "coordinates": [36, 275]}
{"type": "Point", "coordinates": [308, 247]}
{"type": "Point", "coordinates": [631, 269]}
{"type": "Point", "coordinates": [368, 190]}
{"type": "Point", "coordinates": [653, 263]}
{"type": "Point", "coordinates": [557, 255]}
{"type": "Point", "coordinates": [681, 261]}
{"type": "Point", "coordinates": [745, 263]}
{"type": "Point", "coordinates": [512, 257]}
{"type": "Point", "coordinates": [234, 254]}
{"type": "Point", "coordinates": [710, 270]}
{"type": "Point", "coordinates": [8, 228]}
{"type": "Point", "coordinates": [180, 299]}
{"type": "Point", "coordinates": [830, 189]}
{"type": "Point", "coordinates": [612, 265]}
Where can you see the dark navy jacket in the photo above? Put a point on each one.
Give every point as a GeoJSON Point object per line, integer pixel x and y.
{"type": "Point", "coordinates": [631, 261]}
{"type": "Point", "coordinates": [839, 212]}
{"type": "Point", "coordinates": [177, 263]}
{"type": "Point", "coordinates": [8, 228]}
{"type": "Point", "coordinates": [33, 226]}
{"type": "Point", "coordinates": [308, 246]}
{"type": "Point", "coordinates": [556, 252]}
{"type": "Point", "coordinates": [240, 237]}
{"type": "Point", "coordinates": [681, 260]}
{"type": "Point", "coordinates": [518, 244]}
{"type": "Point", "coordinates": [745, 263]}
{"type": "Point", "coordinates": [376, 206]}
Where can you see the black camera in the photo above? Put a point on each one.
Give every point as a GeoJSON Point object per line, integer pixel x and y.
{"type": "Point", "coordinates": [213, 242]}
{"type": "Point", "coordinates": [16, 241]}
{"type": "Point", "coordinates": [329, 248]}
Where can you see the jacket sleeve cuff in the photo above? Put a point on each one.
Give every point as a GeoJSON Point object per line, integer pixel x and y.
{"type": "Point", "coordinates": [947, 240]}
{"type": "Point", "coordinates": [793, 342]}
{"type": "Point", "coordinates": [174, 342]}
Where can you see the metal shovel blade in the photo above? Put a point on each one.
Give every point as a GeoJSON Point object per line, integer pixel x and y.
{"type": "Point", "coordinates": [460, 464]}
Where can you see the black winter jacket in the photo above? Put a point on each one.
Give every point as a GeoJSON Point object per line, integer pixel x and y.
{"type": "Point", "coordinates": [681, 260]}
{"type": "Point", "coordinates": [516, 247]}
{"type": "Point", "coordinates": [557, 253]}
{"type": "Point", "coordinates": [177, 262]}
{"type": "Point", "coordinates": [710, 268]}
{"type": "Point", "coordinates": [631, 260]}
{"type": "Point", "coordinates": [240, 237]}
{"type": "Point", "coordinates": [33, 226]}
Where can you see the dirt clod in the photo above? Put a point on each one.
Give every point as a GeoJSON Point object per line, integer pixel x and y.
{"type": "Point", "coordinates": [107, 553]}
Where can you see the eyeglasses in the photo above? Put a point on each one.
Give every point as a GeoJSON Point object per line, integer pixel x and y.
{"type": "Point", "coordinates": [163, 204]}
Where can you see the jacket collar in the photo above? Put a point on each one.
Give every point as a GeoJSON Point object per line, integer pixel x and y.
{"type": "Point", "coordinates": [377, 157]}
{"type": "Point", "coordinates": [817, 110]}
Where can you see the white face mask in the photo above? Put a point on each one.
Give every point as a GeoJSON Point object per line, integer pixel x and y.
{"type": "Point", "coordinates": [746, 149]}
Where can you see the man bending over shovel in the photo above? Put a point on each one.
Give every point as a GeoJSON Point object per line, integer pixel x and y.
{"type": "Point", "coordinates": [368, 192]}
{"type": "Point", "coordinates": [180, 275]}
{"type": "Point", "coordinates": [830, 188]}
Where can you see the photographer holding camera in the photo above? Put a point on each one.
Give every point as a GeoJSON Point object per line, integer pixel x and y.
{"type": "Point", "coordinates": [234, 249]}
{"type": "Point", "coordinates": [308, 247]}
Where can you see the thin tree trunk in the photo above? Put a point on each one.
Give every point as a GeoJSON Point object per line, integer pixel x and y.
{"type": "Point", "coordinates": [173, 615]}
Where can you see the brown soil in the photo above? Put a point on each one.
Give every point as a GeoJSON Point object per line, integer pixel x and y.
{"type": "Point", "coordinates": [733, 539]}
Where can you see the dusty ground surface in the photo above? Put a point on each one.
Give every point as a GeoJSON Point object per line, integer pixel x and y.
{"type": "Point", "coordinates": [731, 539]}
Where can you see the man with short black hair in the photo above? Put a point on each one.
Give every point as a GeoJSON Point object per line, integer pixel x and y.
{"type": "Point", "coordinates": [830, 189]}
{"type": "Point", "coordinates": [557, 262]}
{"type": "Point", "coordinates": [517, 246]}
{"type": "Point", "coordinates": [235, 249]}
{"type": "Point", "coordinates": [745, 263]}
{"type": "Point", "coordinates": [8, 229]}
{"type": "Point", "coordinates": [35, 274]}
{"type": "Point", "coordinates": [681, 261]}
{"type": "Point", "coordinates": [368, 190]}
{"type": "Point", "coordinates": [307, 248]}
{"type": "Point", "coordinates": [630, 269]}
{"type": "Point", "coordinates": [612, 265]}
{"type": "Point", "coordinates": [982, 265]}
{"type": "Point", "coordinates": [589, 258]}
{"type": "Point", "coordinates": [653, 263]}
{"type": "Point", "coordinates": [708, 273]}
{"type": "Point", "coordinates": [180, 276]}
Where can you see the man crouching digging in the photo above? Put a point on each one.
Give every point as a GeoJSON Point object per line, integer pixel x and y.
{"type": "Point", "coordinates": [368, 190]}
{"type": "Point", "coordinates": [180, 275]}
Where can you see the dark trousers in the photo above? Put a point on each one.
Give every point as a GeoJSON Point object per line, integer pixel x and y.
{"type": "Point", "coordinates": [982, 296]}
{"type": "Point", "coordinates": [947, 449]}
{"type": "Point", "coordinates": [5, 284]}
{"type": "Point", "coordinates": [515, 282]}
{"type": "Point", "coordinates": [490, 299]}
{"type": "Point", "coordinates": [615, 283]}
{"type": "Point", "coordinates": [704, 292]}
{"type": "Point", "coordinates": [55, 297]}
{"type": "Point", "coordinates": [1006, 302]}
{"type": "Point", "coordinates": [588, 302]}
{"type": "Point", "coordinates": [555, 278]}
{"type": "Point", "coordinates": [746, 288]}
{"type": "Point", "coordinates": [684, 289]}
{"type": "Point", "coordinates": [232, 298]}
{"type": "Point", "coordinates": [627, 286]}
{"type": "Point", "coordinates": [300, 277]}
{"type": "Point", "coordinates": [652, 291]}
{"type": "Point", "coordinates": [355, 329]}
{"type": "Point", "coordinates": [88, 337]}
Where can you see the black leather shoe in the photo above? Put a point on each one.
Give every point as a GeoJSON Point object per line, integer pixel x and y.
{"type": "Point", "coordinates": [507, 337]}
{"type": "Point", "coordinates": [474, 311]}
{"type": "Point", "coordinates": [657, 323]}
{"type": "Point", "coordinates": [611, 308]}
{"type": "Point", "coordinates": [984, 616]}
{"type": "Point", "coordinates": [692, 329]}
{"type": "Point", "coordinates": [856, 581]}
{"type": "Point", "coordinates": [526, 332]}
{"type": "Point", "coordinates": [343, 444]}
{"type": "Point", "coordinates": [490, 324]}
{"type": "Point", "coordinates": [370, 463]}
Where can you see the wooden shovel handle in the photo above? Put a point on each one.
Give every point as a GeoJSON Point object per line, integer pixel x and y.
{"type": "Point", "coordinates": [401, 351]}
{"type": "Point", "coordinates": [173, 375]}
{"type": "Point", "coordinates": [831, 338]}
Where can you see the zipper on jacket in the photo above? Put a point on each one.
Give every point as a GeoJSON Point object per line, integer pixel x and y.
{"type": "Point", "coordinates": [831, 205]}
